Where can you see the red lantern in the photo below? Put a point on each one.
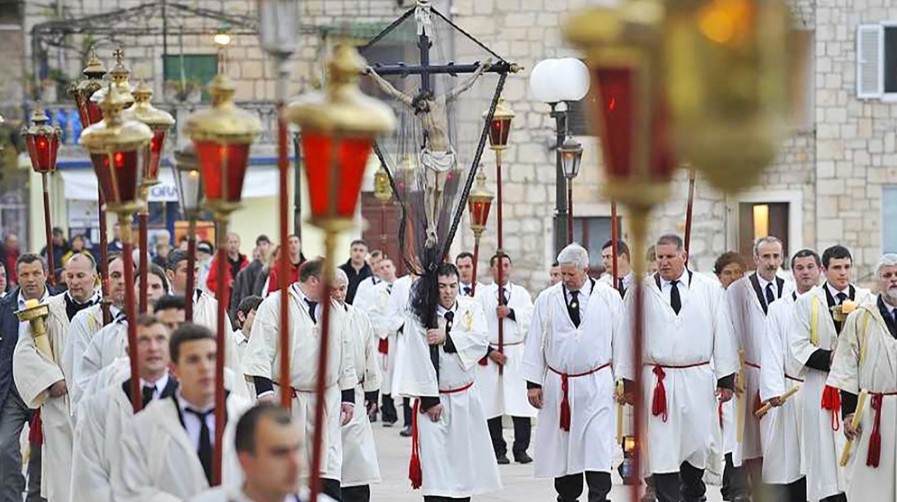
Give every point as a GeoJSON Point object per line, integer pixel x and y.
{"type": "Point", "coordinates": [500, 126]}
{"type": "Point", "coordinates": [338, 130]}
{"type": "Point", "coordinates": [222, 136]}
{"type": "Point", "coordinates": [479, 202]}
{"type": "Point", "coordinates": [42, 141]}
{"type": "Point", "coordinates": [89, 111]}
{"type": "Point", "coordinates": [159, 122]}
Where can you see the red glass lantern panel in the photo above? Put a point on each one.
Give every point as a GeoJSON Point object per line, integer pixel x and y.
{"type": "Point", "coordinates": [617, 112]}
{"type": "Point", "coordinates": [42, 150]}
{"type": "Point", "coordinates": [118, 182]}
{"type": "Point", "coordinates": [151, 162]}
{"type": "Point", "coordinates": [223, 169]}
{"type": "Point", "coordinates": [499, 130]}
{"type": "Point", "coordinates": [88, 111]}
{"type": "Point", "coordinates": [479, 211]}
{"type": "Point", "coordinates": [345, 172]}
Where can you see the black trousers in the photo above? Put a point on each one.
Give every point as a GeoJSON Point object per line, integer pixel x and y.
{"type": "Point", "coordinates": [738, 479]}
{"type": "Point", "coordinates": [330, 487]}
{"type": "Point", "coordinates": [792, 492]}
{"type": "Point", "coordinates": [360, 493]}
{"type": "Point", "coordinates": [406, 409]}
{"type": "Point", "coordinates": [389, 409]}
{"type": "Point", "coordinates": [569, 488]}
{"type": "Point", "coordinates": [687, 485]}
{"type": "Point", "coordinates": [431, 498]}
{"type": "Point", "coordinates": [522, 432]}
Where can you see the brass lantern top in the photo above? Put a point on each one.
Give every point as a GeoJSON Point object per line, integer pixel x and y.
{"type": "Point", "coordinates": [145, 112]}
{"type": "Point", "coordinates": [113, 133]}
{"type": "Point", "coordinates": [502, 112]}
{"type": "Point", "coordinates": [382, 188]}
{"type": "Point", "coordinates": [344, 110]}
{"type": "Point", "coordinates": [93, 76]}
{"type": "Point", "coordinates": [40, 125]}
{"type": "Point", "coordinates": [224, 122]}
{"type": "Point", "coordinates": [118, 77]}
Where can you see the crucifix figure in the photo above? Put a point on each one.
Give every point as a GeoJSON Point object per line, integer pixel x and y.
{"type": "Point", "coordinates": [437, 154]}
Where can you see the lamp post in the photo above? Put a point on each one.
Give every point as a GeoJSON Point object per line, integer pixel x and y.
{"type": "Point", "coordinates": [478, 204]}
{"type": "Point", "coordinates": [42, 141]}
{"type": "Point", "coordinates": [160, 123]}
{"type": "Point", "coordinates": [222, 136]}
{"type": "Point", "coordinates": [116, 148]}
{"type": "Point", "coordinates": [338, 128]}
{"type": "Point", "coordinates": [90, 114]}
{"type": "Point", "coordinates": [278, 35]}
{"type": "Point", "coordinates": [571, 157]}
{"type": "Point", "coordinates": [188, 179]}
{"type": "Point", "coordinates": [499, 132]}
{"type": "Point", "coordinates": [558, 82]}
{"type": "Point", "coordinates": [383, 193]}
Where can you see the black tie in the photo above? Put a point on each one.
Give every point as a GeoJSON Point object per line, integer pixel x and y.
{"type": "Point", "coordinates": [205, 442]}
{"type": "Point", "coordinates": [147, 394]}
{"type": "Point", "coordinates": [312, 305]}
{"type": "Point", "coordinates": [504, 295]}
{"type": "Point", "coordinates": [675, 299]}
{"type": "Point", "coordinates": [573, 308]}
{"type": "Point", "coordinates": [467, 290]}
{"type": "Point", "coordinates": [449, 317]}
{"type": "Point", "coordinates": [841, 297]}
{"type": "Point", "coordinates": [449, 346]}
{"type": "Point", "coordinates": [770, 295]}
{"type": "Point", "coordinates": [389, 288]}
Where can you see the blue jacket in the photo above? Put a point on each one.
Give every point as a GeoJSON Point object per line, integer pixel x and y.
{"type": "Point", "coordinates": [9, 335]}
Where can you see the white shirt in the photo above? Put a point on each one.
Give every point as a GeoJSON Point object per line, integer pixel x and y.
{"type": "Point", "coordinates": [584, 293]}
{"type": "Point", "coordinates": [158, 386]}
{"type": "Point", "coordinates": [305, 300]}
{"type": "Point", "coordinates": [834, 292]}
{"type": "Point", "coordinates": [192, 423]}
{"type": "Point", "coordinates": [43, 298]}
{"type": "Point", "coordinates": [666, 286]}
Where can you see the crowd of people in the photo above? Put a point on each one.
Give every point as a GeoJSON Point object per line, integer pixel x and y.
{"type": "Point", "coordinates": [766, 377]}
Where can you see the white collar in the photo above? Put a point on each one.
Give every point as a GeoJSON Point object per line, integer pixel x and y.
{"type": "Point", "coordinates": [159, 384]}
{"type": "Point", "coordinates": [183, 404]}
{"type": "Point", "coordinates": [684, 280]}
{"type": "Point", "coordinates": [241, 337]}
{"type": "Point", "coordinates": [43, 298]}
{"type": "Point", "coordinates": [442, 310]}
{"type": "Point", "coordinates": [835, 292]}
{"type": "Point", "coordinates": [763, 282]}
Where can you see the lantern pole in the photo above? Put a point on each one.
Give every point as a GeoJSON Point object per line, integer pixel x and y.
{"type": "Point", "coordinates": [478, 204]}
{"type": "Point", "coordinates": [614, 237]}
{"type": "Point", "coordinates": [42, 141]}
{"type": "Point", "coordinates": [188, 180]}
{"type": "Point", "coordinates": [48, 228]}
{"type": "Point", "coordinates": [688, 213]}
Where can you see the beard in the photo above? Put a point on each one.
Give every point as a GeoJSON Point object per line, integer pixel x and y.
{"type": "Point", "coordinates": [891, 294]}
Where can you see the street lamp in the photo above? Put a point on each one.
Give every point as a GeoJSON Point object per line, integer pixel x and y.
{"type": "Point", "coordinates": [117, 148]}
{"type": "Point", "coordinates": [571, 156]}
{"type": "Point", "coordinates": [558, 82]}
{"type": "Point", "coordinates": [42, 141]}
{"type": "Point", "coordinates": [278, 36]}
{"type": "Point", "coordinates": [188, 180]}
{"type": "Point", "coordinates": [338, 129]}
{"type": "Point", "coordinates": [478, 204]}
{"type": "Point", "coordinates": [222, 136]}
{"type": "Point", "coordinates": [160, 123]}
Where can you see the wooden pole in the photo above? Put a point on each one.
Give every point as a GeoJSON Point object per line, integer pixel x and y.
{"type": "Point", "coordinates": [190, 291]}
{"type": "Point", "coordinates": [614, 237]}
{"type": "Point", "coordinates": [143, 242]}
{"type": "Point", "coordinates": [639, 226]}
{"type": "Point", "coordinates": [221, 343]}
{"type": "Point", "coordinates": [688, 212]}
{"type": "Point", "coordinates": [500, 257]}
{"type": "Point", "coordinates": [124, 221]}
{"type": "Point", "coordinates": [104, 258]}
{"type": "Point", "coordinates": [282, 267]}
{"type": "Point", "coordinates": [48, 227]}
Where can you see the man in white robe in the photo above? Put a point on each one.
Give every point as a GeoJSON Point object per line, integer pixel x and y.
{"type": "Point", "coordinates": [466, 286]}
{"type": "Point", "coordinates": [360, 465]}
{"type": "Point", "coordinates": [749, 299]}
{"type": "Point", "coordinates": [167, 449]}
{"type": "Point", "coordinates": [374, 301]}
{"type": "Point", "coordinates": [366, 286]}
{"type": "Point", "coordinates": [451, 458]}
{"type": "Point", "coordinates": [262, 363]}
{"type": "Point", "coordinates": [864, 360]}
{"type": "Point", "coordinates": [41, 377]}
{"type": "Point", "coordinates": [812, 341]}
{"type": "Point", "coordinates": [568, 366]}
{"type": "Point", "coordinates": [504, 394]}
{"type": "Point", "coordinates": [779, 373]}
{"type": "Point", "coordinates": [103, 416]}
{"type": "Point", "coordinates": [689, 363]}
{"type": "Point", "coordinates": [396, 311]}
{"type": "Point", "coordinates": [625, 279]}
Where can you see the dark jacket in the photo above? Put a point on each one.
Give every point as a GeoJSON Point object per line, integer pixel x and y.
{"type": "Point", "coordinates": [355, 278]}
{"type": "Point", "coordinates": [245, 285]}
{"type": "Point", "coordinates": [9, 335]}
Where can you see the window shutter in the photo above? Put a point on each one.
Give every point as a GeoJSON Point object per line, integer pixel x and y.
{"type": "Point", "coordinates": [870, 61]}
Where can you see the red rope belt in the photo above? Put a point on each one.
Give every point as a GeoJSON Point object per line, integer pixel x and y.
{"type": "Point", "coordinates": [565, 389]}
{"type": "Point", "coordinates": [831, 400]}
{"type": "Point", "coordinates": [383, 346]}
{"type": "Point", "coordinates": [415, 470]}
{"type": "Point", "coordinates": [659, 401]}
{"type": "Point", "coordinates": [874, 453]}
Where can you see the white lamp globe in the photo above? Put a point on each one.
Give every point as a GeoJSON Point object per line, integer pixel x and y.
{"type": "Point", "coordinates": [541, 81]}
{"type": "Point", "coordinates": [570, 79]}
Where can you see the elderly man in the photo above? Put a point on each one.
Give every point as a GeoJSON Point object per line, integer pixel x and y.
{"type": "Point", "coordinates": [812, 340]}
{"type": "Point", "coordinates": [686, 327]}
{"type": "Point", "coordinates": [863, 361]}
{"type": "Point", "coordinates": [567, 365]}
{"type": "Point", "coordinates": [43, 380]}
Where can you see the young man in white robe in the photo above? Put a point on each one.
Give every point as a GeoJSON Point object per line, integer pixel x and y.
{"type": "Point", "coordinates": [43, 381]}
{"type": "Point", "coordinates": [451, 457]}
{"type": "Point", "coordinates": [363, 293]}
{"type": "Point", "coordinates": [396, 311]}
{"type": "Point", "coordinates": [812, 341]}
{"type": "Point", "coordinates": [504, 394]}
{"type": "Point", "coordinates": [205, 306]}
{"type": "Point", "coordinates": [167, 450]}
{"type": "Point", "coordinates": [262, 363]}
{"type": "Point", "coordinates": [360, 465]}
{"type": "Point", "coordinates": [625, 279]}
{"type": "Point", "coordinates": [269, 445]}
{"type": "Point", "coordinates": [466, 286]}
{"type": "Point", "coordinates": [375, 303]}
{"type": "Point", "coordinates": [749, 299]}
{"type": "Point", "coordinates": [864, 361]}
{"type": "Point", "coordinates": [689, 364]}
{"type": "Point", "coordinates": [779, 373]}
{"type": "Point", "coordinates": [103, 416]}
{"type": "Point", "coordinates": [568, 366]}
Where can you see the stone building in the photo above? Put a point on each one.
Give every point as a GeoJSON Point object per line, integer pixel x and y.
{"type": "Point", "coordinates": [835, 180]}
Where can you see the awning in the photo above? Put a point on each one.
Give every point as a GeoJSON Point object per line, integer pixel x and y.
{"type": "Point", "coordinates": [81, 184]}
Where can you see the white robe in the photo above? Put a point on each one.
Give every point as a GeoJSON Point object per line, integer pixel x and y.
{"type": "Point", "coordinates": [159, 463]}
{"type": "Point", "coordinates": [397, 311]}
{"type": "Point", "coordinates": [699, 334]}
{"type": "Point", "coordinates": [363, 293]}
{"type": "Point", "coordinates": [821, 444]}
{"type": "Point", "coordinates": [455, 453]}
{"type": "Point", "coordinates": [360, 464]}
{"type": "Point", "coordinates": [865, 359]}
{"type": "Point", "coordinates": [555, 345]}
{"type": "Point", "coordinates": [235, 494]}
{"type": "Point", "coordinates": [779, 372]}
{"type": "Point", "coordinates": [505, 394]}
{"type": "Point", "coordinates": [749, 324]}
{"type": "Point", "coordinates": [83, 327]}
{"type": "Point", "coordinates": [262, 359]}
{"type": "Point", "coordinates": [34, 373]}
{"type": "Point", "coordinates": [377, 309]}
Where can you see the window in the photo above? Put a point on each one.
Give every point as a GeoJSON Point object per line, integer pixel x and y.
{"type": "Point", "coordinates": [877, 61]}
{"type": "Point", "coordinates": [759, 219]}
{"type": "Point", "coordinates": [187, 76]}
{"type": "Point", "coordinates": [11, 12]}
{"type": "Point", "coordinates": [577, 121]}
{"type": "Point", "coordinates": [593, 232]}
{"type": "Point", "coordinates": [889, 219]}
